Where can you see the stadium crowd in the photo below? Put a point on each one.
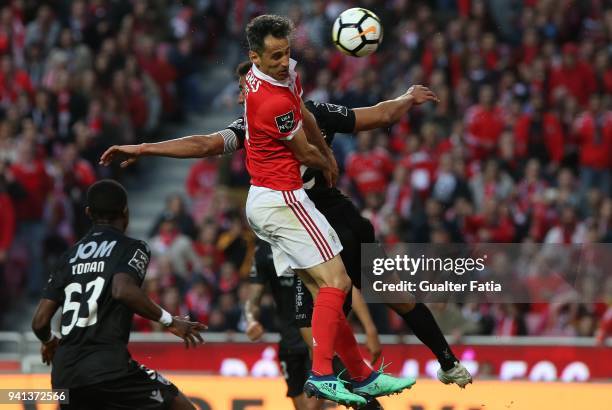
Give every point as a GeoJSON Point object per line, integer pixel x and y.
{"type": "Point", "coordinates": [518, 150]}
{"type": "Point", "coordinates": [75, 77]}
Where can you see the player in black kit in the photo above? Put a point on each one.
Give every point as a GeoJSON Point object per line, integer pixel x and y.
{"type": "Point", "coordinates": [292, 351]}
{"type": "Point", "coordinates": [97, 284]}
{"type": "Point", "coordinates": [351, 227]}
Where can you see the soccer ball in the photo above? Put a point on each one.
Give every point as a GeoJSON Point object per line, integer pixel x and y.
{"type": "Point", "coordinates": [357, 32]}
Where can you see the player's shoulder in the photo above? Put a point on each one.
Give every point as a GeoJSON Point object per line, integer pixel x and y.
{"type": "Point", "coordinates": [134, 243]}
{"type": "Point", "coordinates": [276, 101]}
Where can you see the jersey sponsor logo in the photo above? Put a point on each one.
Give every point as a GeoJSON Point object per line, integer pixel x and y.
{"type": "Point", "coordinates": [139, 262]}
{"type": "Point", "coordinates": [341, 109]}
{"type": "Point", "coordinates": [93, 250]}
{"type": "Point", "coordinates": [285, 122]}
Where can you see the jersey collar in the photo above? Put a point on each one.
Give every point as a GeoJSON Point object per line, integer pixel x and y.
{"type": "Point", "coordinates": [265, 77]}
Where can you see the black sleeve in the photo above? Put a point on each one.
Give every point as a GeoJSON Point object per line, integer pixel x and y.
{"type": "Point", "coordinates": [332, 118]}
{"type": "Point", "coordinates": [135, 260]}
{"type": "Point", "coordinates": [263, 265]}
{"type": "Point", "coordinates": [54, 289]}
{"type": "Point", "coordinates": [234, 139]}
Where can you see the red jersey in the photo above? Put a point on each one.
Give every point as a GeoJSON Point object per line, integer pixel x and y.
{"type": "Point", "coordinates": [369, 170]}
{"type": "Point", "coordinates": [273, 114]}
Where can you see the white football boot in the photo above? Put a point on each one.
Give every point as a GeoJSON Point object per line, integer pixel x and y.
{"type": "Point", "coordinates": [458, 375]}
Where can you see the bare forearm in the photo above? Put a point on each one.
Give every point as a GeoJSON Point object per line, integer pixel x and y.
{"type": "Point", "coordinates": [383, 114]}
{"type": "Point", "coordinates": [314, 135]}
{"type": "Point", "coordinates": [394, 110]}
{"type": "Point", "coordinates": [192, 146]}
{"type": "Point", "coordinates": [137, 301]}
{"type": "Point", "coordinates": [41, 322]}
{"type": "Point", "coordinates": [314, 158]}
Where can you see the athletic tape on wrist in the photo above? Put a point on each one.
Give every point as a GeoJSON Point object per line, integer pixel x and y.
{"type": "Point", "coordinates": [166, 318]}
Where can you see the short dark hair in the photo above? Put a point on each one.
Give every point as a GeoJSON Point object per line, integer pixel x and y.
{"type": "Point", "coordinates": [243, 68]}
{"type": "Point", "coordinates": [106, 199]}
{"type": "Point", "coordinates": [261, 26]}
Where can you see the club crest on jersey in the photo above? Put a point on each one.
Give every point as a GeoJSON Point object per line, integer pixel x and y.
{"type": "Point", "coordinates": [333, 236]}
{"type": "Point", "coordinates": [139, 261]}
{"type": "Point", "coordinates": [284, 122]}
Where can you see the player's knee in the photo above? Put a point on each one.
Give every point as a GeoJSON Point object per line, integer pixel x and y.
{"type": "Point", "coordinates": [402, 308]}
{"type": "Point", "coordinates": [340, 281]}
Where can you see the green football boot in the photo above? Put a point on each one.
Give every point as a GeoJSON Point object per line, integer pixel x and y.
{"type": "Point", "coordinates": [381, 384]}
{"type": "Point", "coordinates": [332, 388]}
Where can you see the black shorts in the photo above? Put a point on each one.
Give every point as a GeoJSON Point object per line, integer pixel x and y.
{"type": "Point", "coordinates": [296, 369]}
{"type": "Point", "coordinates": [142, 388]}
{"type": "Point", "coordinates": [353, 230]}
{"type": "Point", "coordinates": [304, 304]}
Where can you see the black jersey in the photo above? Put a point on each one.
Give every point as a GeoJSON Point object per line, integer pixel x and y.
{"type": "Point", "coordinates": [95, 327]}
{"type": "Point", "coordinates": [282, 289]}
{"type": "Point", "coordinates": [331, 119]}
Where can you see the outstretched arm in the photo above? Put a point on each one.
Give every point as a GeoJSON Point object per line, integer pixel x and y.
{"type": "Point", "coordinates": [192, 146]}
{"type": "Point", "coordinates": [387, 113]}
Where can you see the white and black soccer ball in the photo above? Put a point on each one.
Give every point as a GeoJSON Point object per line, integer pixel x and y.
{"type": "Point", "coordinates": [357, 32]}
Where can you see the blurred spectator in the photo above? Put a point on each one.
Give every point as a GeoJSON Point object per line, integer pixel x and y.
{"type": "Point", "coordinates": [539, 134]}
{"type": "Point", "coordinates": [491, 183]}
{"type": "Point", "coordinates": [368, 168]}
{"type": "Point", "coordinates": [594, 129]}
{"type": "Point", "coordinates": [572, 76]}
{"type": "Point", "coordinates": [30, 173]}
{"type": "Point", "coordinates": [171, 301]}
{"type": "Point", "coordinates": [237, 243]}
{"type": "Point", "coordinates": [177, 247]}
{"type": "Point", "coordinates": [484, 124]}
{"type": "Point", "coordinates": [199, 300]}
{"type": "Point", "coordinates": [569, 230]}
{"type": "Point", "coordinates": [176, 209]}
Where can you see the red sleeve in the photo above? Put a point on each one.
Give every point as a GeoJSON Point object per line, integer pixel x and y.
{"type": "Point", "coordinates": [7, 222]}
{"type": "Point", "coordinates": [280, 118]}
